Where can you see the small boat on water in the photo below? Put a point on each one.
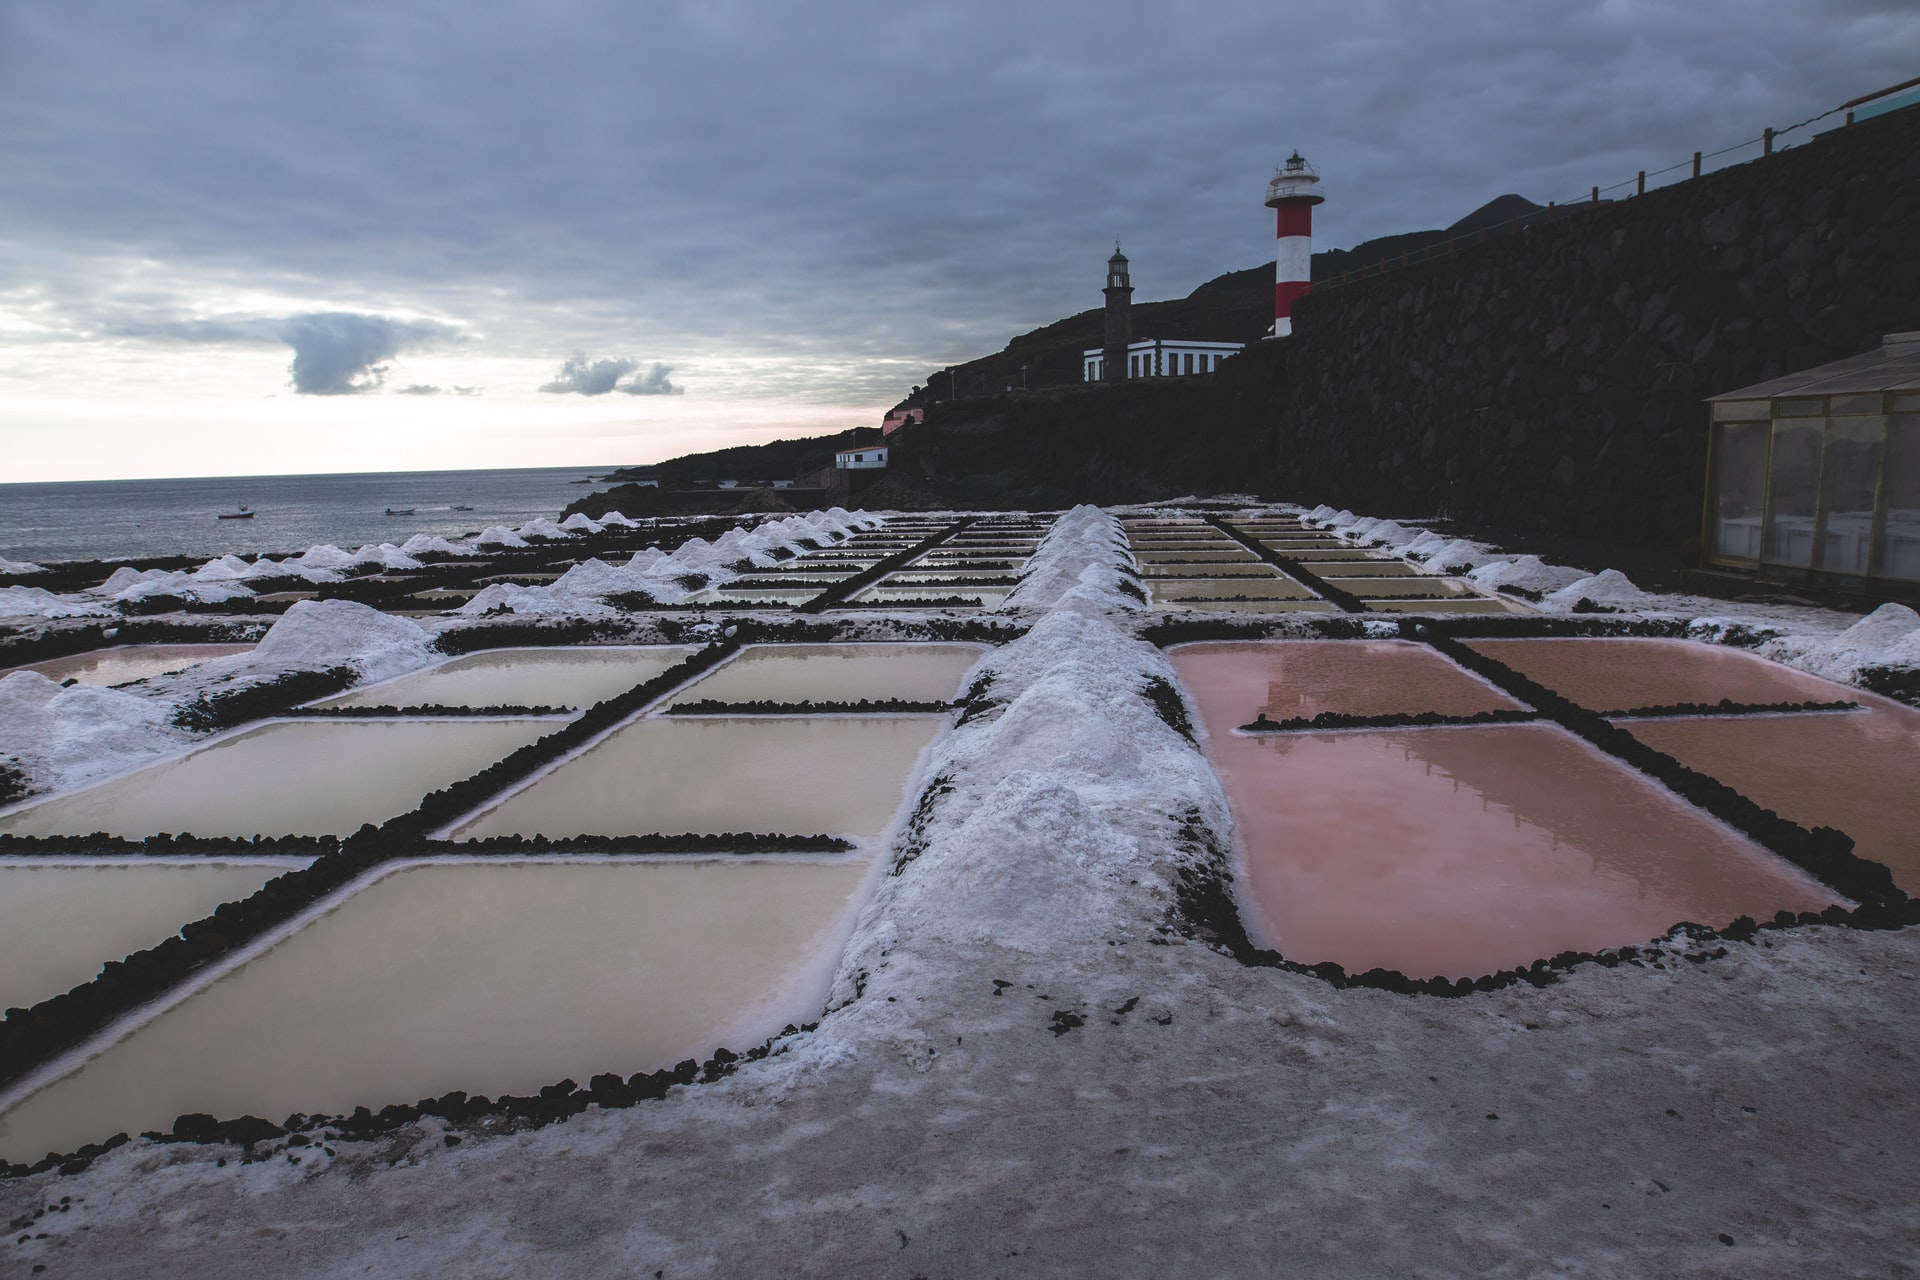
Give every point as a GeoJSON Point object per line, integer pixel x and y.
{"type": "Point", "coordinates": [244, 513]}
{"type": "Point", "coordinates": [460, 506]}
{"type": "Point", "coordinates": [399, 511]}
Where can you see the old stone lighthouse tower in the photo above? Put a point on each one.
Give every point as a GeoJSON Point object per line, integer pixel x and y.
{"type": "Point", "coordinates": [1119, 333]}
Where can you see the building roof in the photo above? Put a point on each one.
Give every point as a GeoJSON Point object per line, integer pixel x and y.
{"type": "Point", "coordinates": [1894, 365]}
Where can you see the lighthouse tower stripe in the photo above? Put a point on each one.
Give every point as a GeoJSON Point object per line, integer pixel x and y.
{"type": "Point", "coordinates": [1293, 218]}
{"type": "Point", "coordinates": [1284, 292]}
{"type": "Point", "coordinates": [1293, 258]}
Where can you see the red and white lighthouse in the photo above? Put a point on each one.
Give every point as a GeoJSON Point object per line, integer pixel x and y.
{"type": "Point", "coordinates": [1291, 196]}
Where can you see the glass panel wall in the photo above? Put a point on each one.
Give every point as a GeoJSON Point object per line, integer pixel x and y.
{"type": "Point", "coordinates": [1849, 482]}
{"type": "Point", "coordinates": [1829, 484]}
{"type": "Point", "coordinates": [1900, 535]}
{"type": "Point", "coordinates": [1793, 489]}
{"type": "Point", "coordinates": [1740, 489]}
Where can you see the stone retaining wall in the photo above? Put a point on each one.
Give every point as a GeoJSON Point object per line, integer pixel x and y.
{"type": "Point", "coordinates": [1553, 381]}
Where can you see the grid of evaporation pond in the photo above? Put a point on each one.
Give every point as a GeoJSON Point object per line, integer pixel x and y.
{"type": "Point", "coordinates": [741, 749]}
{"type": "Point", "coordinates": [794, 582]}
{"type": "Point", "coordinates": [976, 568]}
{"type": "Point", "coordinates": [1453, 850]}
{"type": "Point", "coordinates": [277, 778]}
{"type": "Point", "coordinates": [785, 934]}
{"type": "Point", "coordinates": [1380, 580]}
{"type": "Point", "coordinates": [1188, 564]}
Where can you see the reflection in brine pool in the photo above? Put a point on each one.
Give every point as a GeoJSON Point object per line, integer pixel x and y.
{"type": "Point", "coordinates": [1298, 679]}
{"type": "Point", "coordinates": [58, 924]}
{"type": "Point", "coordinates": [1615, 674]}
{"type": "Point", "coordinates": [1856, 771]}
{"type": "Point", "coordinates": [303, 777]}
{"type": "Point", "coordinates": [1461, 851]}
{"type": "Point", "coordinates": [132, 662]}
{"type": "Point", "coordinates": [489, 979]}
{"type": "Point", "coordinates": [836, 673]}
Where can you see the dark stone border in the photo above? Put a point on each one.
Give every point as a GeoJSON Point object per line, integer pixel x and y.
{"type": "Point", "coordinates": [865, 706]}
{"type": "Point", "coordinates": [166, 845]}
{"type": "Point", "coordinates": [914, 602]}
{"type": "Point", "coordinates": [691, 844]}
{"type": "Point", "coordinates": [223, 709]}
{"type": "Point", "coordinates": [1726, 707]}
{"type": "Point", "coordinates": [432, 709]}
{"type": "Point", "coordinates": [1401, 720]}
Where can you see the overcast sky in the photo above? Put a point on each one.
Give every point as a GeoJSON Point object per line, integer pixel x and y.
{"type": "Point", "coordinates": [239, 238]}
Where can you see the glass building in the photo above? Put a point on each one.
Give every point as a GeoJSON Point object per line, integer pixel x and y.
{"type": "Point", "coordinates": [1816, 475]}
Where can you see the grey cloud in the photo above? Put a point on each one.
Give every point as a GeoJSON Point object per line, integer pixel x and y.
{"type": "Point", "coordinates": [841, 188]}
{"type": "Point", "coordinates": [654, 383]}
{"type": "Point", "coordinates": [582, 376]}
{"type": "Point", "coordinates": [427, 389]}
{"type": "Point", "coordinates": [341, 352]}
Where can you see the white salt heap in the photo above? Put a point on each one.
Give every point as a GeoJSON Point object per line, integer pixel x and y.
{"type": "Point", "coordinates": [37, 602]}
{"type": "Point", "coordinates": [498, 535]}
{"type": "Point", "coordinates": [18, 568]}
{"type": "Point", "coordinates": [1529, 573]}
{"type": "Point", "coordinates": [64, 737]}
{"type": "Point", "coordinates": [1085, 546]}
{"type": "Point", "coordinates": [421, 543]}
{"type": "Point", "coordinates": [316, 635]}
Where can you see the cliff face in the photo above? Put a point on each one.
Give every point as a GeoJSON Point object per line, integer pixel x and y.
{"type": "Point", "coordinates": [1553, 381]}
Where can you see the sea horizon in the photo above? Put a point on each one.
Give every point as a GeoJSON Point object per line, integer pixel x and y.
{"type": "Point", "coordinates": [59, 520]}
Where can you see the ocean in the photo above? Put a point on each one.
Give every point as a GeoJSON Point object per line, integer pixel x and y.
{"type": "Point", "coordinates": [124, 519]}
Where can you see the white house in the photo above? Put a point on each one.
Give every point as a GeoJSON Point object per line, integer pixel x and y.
{"type": "Point", "coordinates": [1163, 358]}
{"type": "Point", "coordinates": [872, 457]}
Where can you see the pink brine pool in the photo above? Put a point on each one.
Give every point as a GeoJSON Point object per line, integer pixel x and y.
{"type": "Point", "coordinates": [1452, 851]}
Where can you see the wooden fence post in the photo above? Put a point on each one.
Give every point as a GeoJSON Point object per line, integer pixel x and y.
{"type": "Point", "coordinates": [1696, 164]}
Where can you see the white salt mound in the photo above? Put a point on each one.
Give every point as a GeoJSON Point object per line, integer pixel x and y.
{"type": "Point", "coordinates": [315, 635]}
{"type": "Point", "coordinates": [18, 568]}
{"type": "Point", "coordinates": [323, 556]}
{"type": "Point", "coordinates": [541, 527]}
{"type": "Point", "coordinates": [37, 602]}
{"type": "Point", "coordinates": [420, 543]}
{"type": "Point", "coordinates": [1887, 637]}
{"type": "Point", "coordinates": [1608, 587]}
{"type": "Point", "coordinates": [1456, 554]}
{"type": "Point", "coordinates": [63, 737]}
{"type": "Point", "coordinates": [1529, 573]}
{"type": "Point", "coordinates": [498, 535]}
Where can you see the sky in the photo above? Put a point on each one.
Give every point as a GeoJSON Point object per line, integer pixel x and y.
{"type": "Point", "coordinates": [243, 238]}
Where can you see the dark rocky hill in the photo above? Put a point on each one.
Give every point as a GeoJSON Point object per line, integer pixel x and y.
{"type": "Point", "coordinates": [1235, 307]}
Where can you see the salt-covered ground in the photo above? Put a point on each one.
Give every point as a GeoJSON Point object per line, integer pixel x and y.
{"type": "Point", "coordinates": [1028, 1068]}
